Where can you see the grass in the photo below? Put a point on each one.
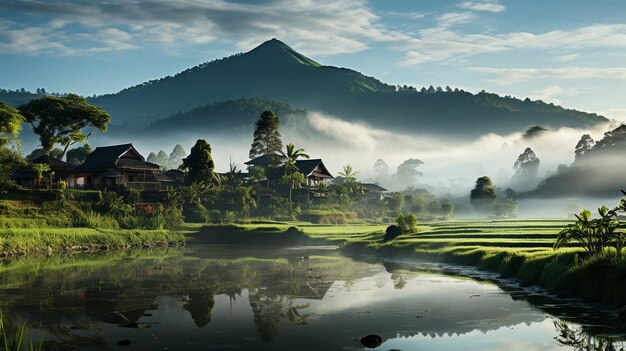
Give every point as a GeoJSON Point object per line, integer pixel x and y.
{"type": "Point", "coordinates": [15, 340]}
{"type": "Point", "coordinates": [29, 239]}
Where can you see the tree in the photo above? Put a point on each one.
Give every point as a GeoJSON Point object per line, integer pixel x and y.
{"type": "Point", "coordinates": [152, 158]}
{"type": "Point", "coordinates": [348, 174]}
{"type": "Point", "coordinates": [10, 123]}
{"type": "Point", "coordinates": [290, 156]}
{"type": "Point", "coordinates": [10, 161]}
{"type": "Point", "coordinates": [267, 139]}
{"type": "Point", "coordinates": [407, 174]}
{"type": "Point", "coordinates": [162, 159]}
{"type": "Point", "coordinates": [199, 164]}
{"type": "Point", "coordinates": [63, 120]}
{"type": "Point", "coordinates": [484, 194]}
{"type": "Point", "coordinates": [407, 223]}
{"type": "Point", "coordinates": [534, 131]}
{"type": "Point", "coordinates": [54, 153]}
{"type": "Point", "coordinates": [394, 202]}
{"type": "Point", "coordinates": [381, 169]}
{"type": "Point", "coordinates": [526, 168]}
{"type": "Point", "coordinates": [585, 144]}
{"type": "Point", "coordinates": [176, 156]}
{"type": "Point", "coordinates": [78, 155]}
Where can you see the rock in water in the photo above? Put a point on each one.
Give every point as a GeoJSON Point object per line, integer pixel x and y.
{"type": "Point", "coordinates": [371, 341]}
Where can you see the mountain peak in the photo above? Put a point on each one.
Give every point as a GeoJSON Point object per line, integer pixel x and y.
{"type": "Point", "coordinates": [278, 52]}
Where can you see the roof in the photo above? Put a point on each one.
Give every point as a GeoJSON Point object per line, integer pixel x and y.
{"type": "Point", "coordinates": [54, 163]}
{"type": "Point", "coordinates": [162, 177]}
{"type": "Point", "coordinates": [110, 157]}
{"type": "Point", "coordinates": [263, 160]}
{"type": "Point", "coordinates": [136, 164]}
{"type": "Point", "coordinates": [373, 187]}
{"type": "Point", "coordinates": [313, 167]}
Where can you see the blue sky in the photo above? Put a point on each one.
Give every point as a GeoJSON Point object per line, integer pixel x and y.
{"type": "Point", "coordinates": [567, 52]}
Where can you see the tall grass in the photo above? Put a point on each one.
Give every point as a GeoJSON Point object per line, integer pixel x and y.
{"type": "Point", "coordinates": [15, 340]}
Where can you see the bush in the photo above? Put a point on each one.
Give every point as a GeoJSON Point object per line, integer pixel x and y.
{"type": "Point", "coordinates": [392, 232]}
{"type": "Point", "coordinates": [407, 223]}
{"type": "Point", "coordinates": [194, 212]}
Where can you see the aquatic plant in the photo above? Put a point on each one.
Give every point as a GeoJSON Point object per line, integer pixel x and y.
{"type": "Point", "coordinates": [15, 340]}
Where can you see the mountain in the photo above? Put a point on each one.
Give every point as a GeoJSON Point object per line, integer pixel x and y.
{"type": "Point", "coordinates": [275, 71]}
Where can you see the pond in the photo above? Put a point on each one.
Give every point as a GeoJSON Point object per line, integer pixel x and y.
{"type": "Point", "coordinates": [306, 298]}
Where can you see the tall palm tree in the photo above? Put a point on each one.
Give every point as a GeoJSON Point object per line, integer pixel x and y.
{"type": "Point", "coordinates": [348, 174]}
{"type": "Point", "coordinates": [290, 156]}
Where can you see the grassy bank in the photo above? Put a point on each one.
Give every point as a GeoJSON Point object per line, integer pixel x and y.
{"type": "Point", "coordinates": [514, 248]}
{"type": "Point", "coordinates": [19, 236]}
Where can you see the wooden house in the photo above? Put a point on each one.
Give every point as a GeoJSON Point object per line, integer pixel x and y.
{"type": "Point", "coordinates": [59, 173]}
{"type": "Point", "coordinates": [313, 170]}
{"type": "Point", "coordinates": [120, 167]}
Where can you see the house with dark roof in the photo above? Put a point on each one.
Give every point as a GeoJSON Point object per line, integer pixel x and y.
{"type": "Point", "coordinates": [120, 167]}
{"type": "Point", "coordinates": [59, 173]}
{"type": "Point", "coordinates": [314, 171]}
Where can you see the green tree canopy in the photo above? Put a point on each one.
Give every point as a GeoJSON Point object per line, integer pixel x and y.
{"type": "Point", "coordinates": [267, 139]}
{"type": "Point", "coordinates": [54, 153]}
{"type": "Point", "coordinates": [152, 157]}
{"type": "Point", "coordinates": [484, 194]}
{"type": "Point", "coordinates": [199, 164]}
{"type": "Point", "coordinates": [77, 156]}
{"type": "Point", "coordinates": [527, 165]}
{"type": "Point", "coordinates": [176, 156]}
{"type": "Point", "coordinates": [407, 173]}
{"type": "Point", "coordinates": [162, 159]}
{"type": "Point", "coordinates": [290, 156]}
{"type": "Point", "coordinates": [63, 120]}
{"type": "Point", "coordinates": [348, 174]}
{"type": "Point", "coordinates": [10, 123]}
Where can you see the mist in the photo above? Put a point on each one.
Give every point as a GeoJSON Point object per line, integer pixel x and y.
{"type": "Point", "coordinates": [451, 166]}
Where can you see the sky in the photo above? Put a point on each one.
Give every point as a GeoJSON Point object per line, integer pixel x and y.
{"type": "Point", "coordinates": [569, 52]}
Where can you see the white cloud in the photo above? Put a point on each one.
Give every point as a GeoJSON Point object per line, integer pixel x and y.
{"type": "Point", "coordinates": [568, 57]}
{"type": "Point", "coordinates": [450, 19]}
{"type": "Point", "coordinates": [439, 44]}
{"type": "Point", "coordinates": [316, 27]}
{"type": "Point", "coordinates": [515, 75]}
{"type": "Point", "coordinates": [490, 6]}
{"type": "Point", "coordinates": [550, 93]}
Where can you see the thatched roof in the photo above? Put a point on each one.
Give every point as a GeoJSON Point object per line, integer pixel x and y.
{"type": "Point", "coordinates": [116, 156]}
{"type": "Point", "coordinates": [54, 163]}
{"type": "Point", "coordinates": [313, 168]}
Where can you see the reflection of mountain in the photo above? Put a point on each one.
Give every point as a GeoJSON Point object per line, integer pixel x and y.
{"type": "Point", "coordinates": [115, 289]}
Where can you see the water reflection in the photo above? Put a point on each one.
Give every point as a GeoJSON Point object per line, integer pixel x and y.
{"type": "Point", "coordinates": [308, 299]}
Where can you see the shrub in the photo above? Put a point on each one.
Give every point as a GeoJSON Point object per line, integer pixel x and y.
{"type": "Point", "coordinates": [194, 212]}
{"type": "Point", "coordinates": [407, 223]}
{"type": "Point", "coordinates": [392, 232]}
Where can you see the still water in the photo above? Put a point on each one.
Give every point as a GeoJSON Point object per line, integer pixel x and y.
{"type": "Point", "coordinates": [224, 298]}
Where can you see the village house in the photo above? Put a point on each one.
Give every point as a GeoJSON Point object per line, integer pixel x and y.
{"type": "Point", "coordinates": [314, 171]}
{"type": "Point", "coordinates": [58, 175]}
{"type": "Point", "coordinates": [120, 167]}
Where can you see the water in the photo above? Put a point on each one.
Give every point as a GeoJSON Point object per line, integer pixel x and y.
{"type": "Point", "coordinates": [218, 298]}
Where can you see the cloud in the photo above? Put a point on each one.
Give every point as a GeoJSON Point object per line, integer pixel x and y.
{"type": "Point", "coordinates": [441, 43]}
{"type": "Point", "coordinates": [515, 75]}
{"type": "Point", "coordinates": [317, 27]}
{"type": "Point", "coordinates": [567, 58]}
{"type": "Point", "coordinates": [450, 19]}
{"type": "Point", "coordinates": [490, 6]}
{"type": "Point", "coordinates": [549, 94]}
